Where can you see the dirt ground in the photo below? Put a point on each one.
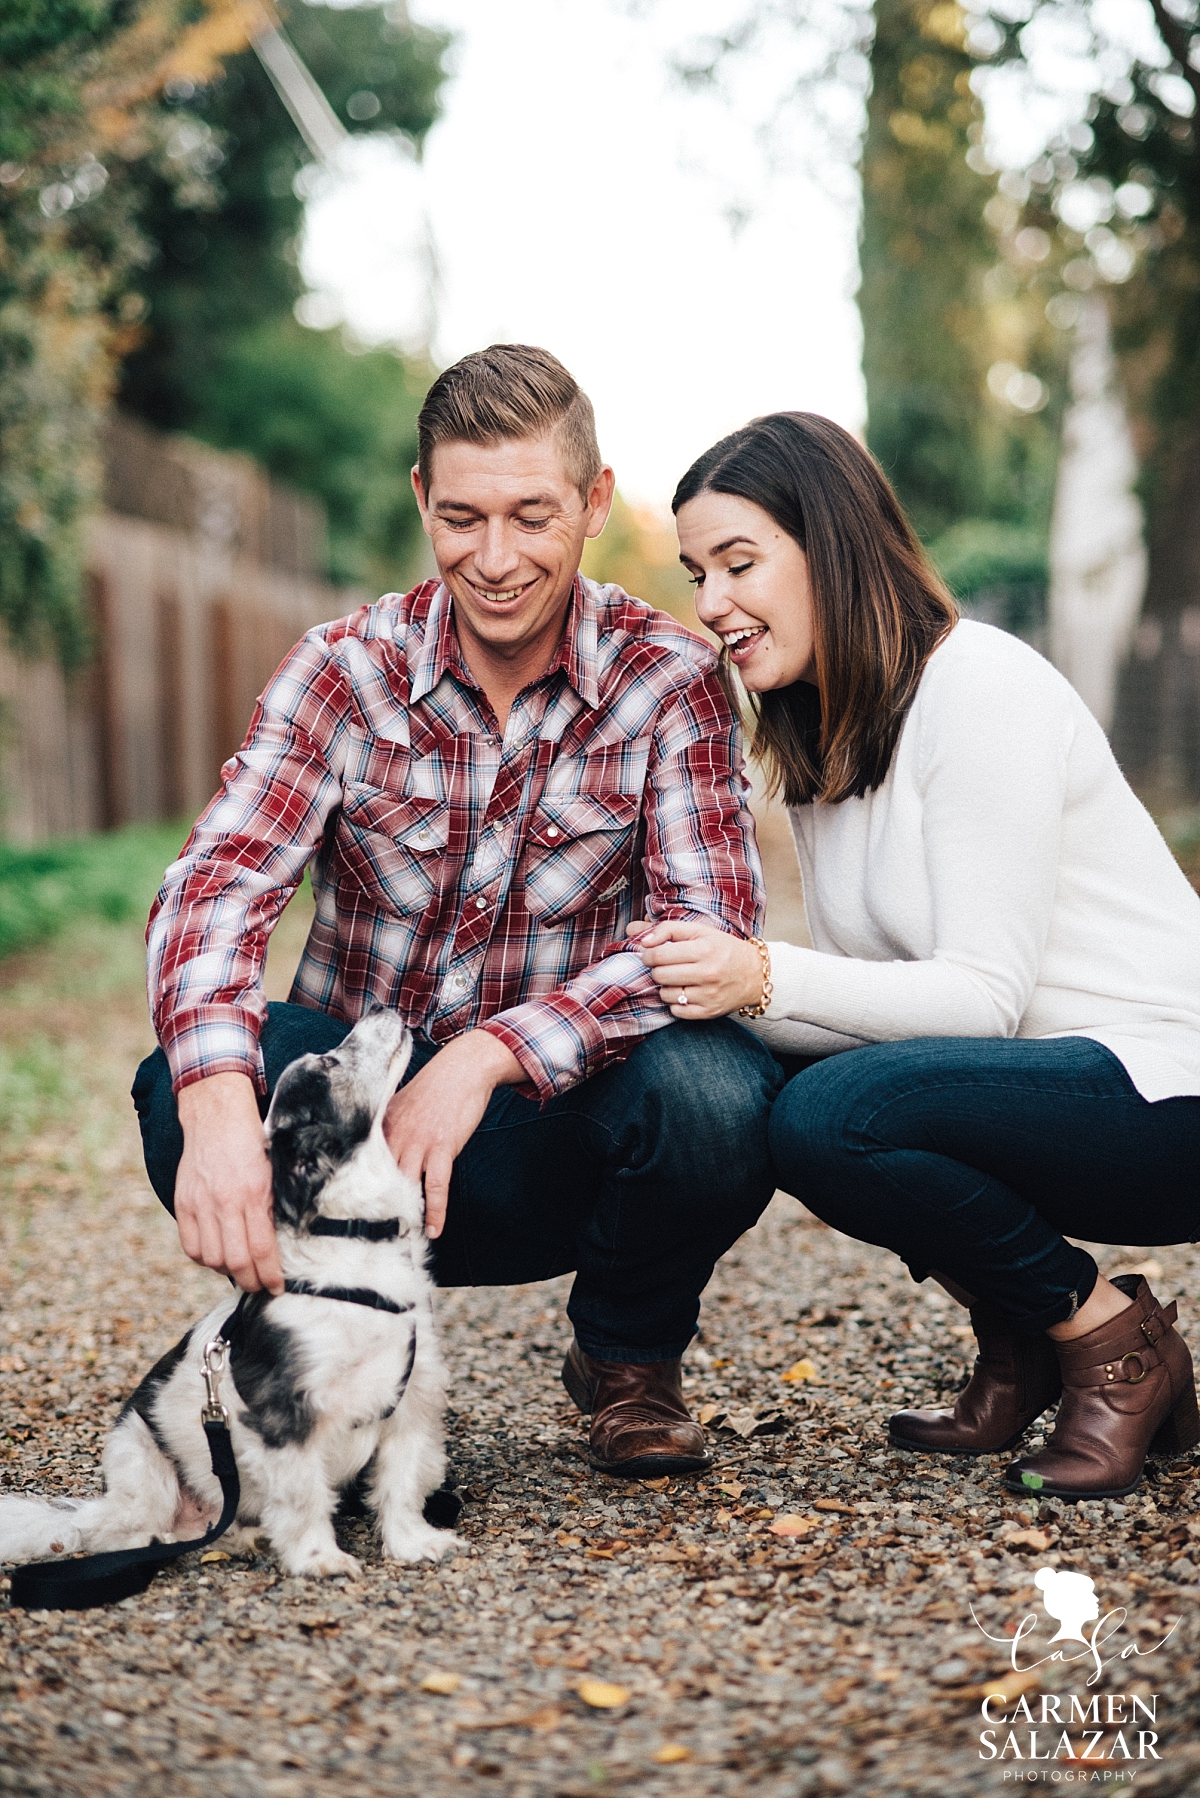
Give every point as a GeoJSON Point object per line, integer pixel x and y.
{"type": "Point", "coordinates": [592, 1636]}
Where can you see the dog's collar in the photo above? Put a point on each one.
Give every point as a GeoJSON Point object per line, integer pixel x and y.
{"type": "Point", "coordinates": [367, 1229]}
{"type": "Point", "coordinates": [353, 1295]}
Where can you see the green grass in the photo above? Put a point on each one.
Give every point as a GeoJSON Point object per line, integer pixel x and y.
{"type": "Point", "coordinates": [112, 877]}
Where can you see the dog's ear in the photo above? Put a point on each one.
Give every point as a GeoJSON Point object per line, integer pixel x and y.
{"type": "Point", "coordinates": [310, 1137]}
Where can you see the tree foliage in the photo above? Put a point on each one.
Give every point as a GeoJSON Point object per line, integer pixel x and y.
{"type": "Point", "coordinates": [77, 117]}
{"type": "Point", "coordinates": [960, 362]}
{"type": "Point", "coordinates": [1119, 193]}
{"type": "Point", "coordinates": [148, 222]}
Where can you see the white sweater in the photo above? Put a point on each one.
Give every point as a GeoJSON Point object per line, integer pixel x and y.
{"type": "Point", "coordinates": [1002, 882]}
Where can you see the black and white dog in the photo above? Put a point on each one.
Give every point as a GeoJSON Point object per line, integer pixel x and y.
{"type": "Point", "coordinates": [341, 1372]}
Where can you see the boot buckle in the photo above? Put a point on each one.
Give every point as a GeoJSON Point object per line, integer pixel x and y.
{"type": "Point", "coordinates": [1143, 1370]}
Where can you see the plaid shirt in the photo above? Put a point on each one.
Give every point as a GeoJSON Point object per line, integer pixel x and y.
{"type": "Point", "coordinates": [462, 876]}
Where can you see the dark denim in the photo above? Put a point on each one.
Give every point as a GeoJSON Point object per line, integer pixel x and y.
{"type": "Point", "coordinates": [973, 1156]}
{"type": "Point", "coordinates": [638, 1180]}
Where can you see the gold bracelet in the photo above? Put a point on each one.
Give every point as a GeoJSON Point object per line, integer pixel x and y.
{"type": "Point", "coordinates": [759, 1010]}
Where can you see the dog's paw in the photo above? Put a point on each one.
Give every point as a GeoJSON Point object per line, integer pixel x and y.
{"type": "Point", "coordinates": [324, 1563]}
{"type": "Point", "coordinates": [418, 1542]}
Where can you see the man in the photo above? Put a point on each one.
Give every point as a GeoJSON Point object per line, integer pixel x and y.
{"type": "Point", "coordinates": [488, 779]}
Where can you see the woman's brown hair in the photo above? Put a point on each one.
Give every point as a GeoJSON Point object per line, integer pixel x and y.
{"type": "Point", "coordinates": [879, 609]}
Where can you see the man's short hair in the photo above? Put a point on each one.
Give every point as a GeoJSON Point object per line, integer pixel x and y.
{"type": "Point", "coordinates": [510, 390]}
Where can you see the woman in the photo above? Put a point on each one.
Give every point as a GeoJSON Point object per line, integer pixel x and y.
{"type": "Point", "coordinates": [996, 915]}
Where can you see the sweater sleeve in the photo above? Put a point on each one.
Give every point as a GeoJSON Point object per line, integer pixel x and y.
{"type": "Point", "coordinates": [990, 772]}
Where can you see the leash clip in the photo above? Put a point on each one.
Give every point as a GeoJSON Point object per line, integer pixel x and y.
{"type": "Point", "coordinates": [213, 1363]}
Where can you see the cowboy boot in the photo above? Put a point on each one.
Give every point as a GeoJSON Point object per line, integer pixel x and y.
{"type": "Point", "coordinates": [1128, 1391]}
{"type": "Point", "coordinates": [641, 1427]}
{"type": "Point", "coordinates": [1014, 1380]}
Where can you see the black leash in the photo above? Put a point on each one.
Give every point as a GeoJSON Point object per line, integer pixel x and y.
{"type": "Point", "coordinates": [106, 1578]}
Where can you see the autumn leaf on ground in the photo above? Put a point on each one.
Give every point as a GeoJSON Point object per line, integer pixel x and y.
{"type": "Point", "coordinates": [214, 1554]}
{"type": "Point", "coordinates": [602, 1696]}
{"type": "Point", "coordinates": [671, 1752]}
{"type": "Point", "coordinates": [833, 1504]}
{"type": "Point", "coordinates": [657, 1485]}
{"type": "Point", "coordinates": [1038, 1540]}
{"type": "Point", "coordinates": [441, 1683]}
{"type": "Point", "coordinates": [706, 1415]}
{"type": "Point", "coordinates": [791, 1525]}
{"type": "Point", "coordinates": [1011, 1686]}
{"type": "Point", "coordinates": [565, 1541]}
{"type": "Point", "coordinates": [732, 1489]}
{"type": "Point", "coordinates": [800, 1370]}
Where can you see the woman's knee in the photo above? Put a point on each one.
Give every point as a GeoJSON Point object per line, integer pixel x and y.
{"type": "Point", "coordinates": [819, 1133]}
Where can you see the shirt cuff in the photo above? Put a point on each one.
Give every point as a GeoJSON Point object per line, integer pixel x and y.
{"type": "Point", "coordinates": [212, 1039]}
{"type": "Point", "coordinates": [556, 1040]}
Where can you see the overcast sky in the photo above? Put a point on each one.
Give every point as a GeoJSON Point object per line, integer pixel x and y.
{"type": "Point", "coordinates": [578, 195]}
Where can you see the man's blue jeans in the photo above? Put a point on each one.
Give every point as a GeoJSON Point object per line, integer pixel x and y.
{"type": "Point", "coordinates": [637, 1180]}
{"type": "Point", "coordinates": [973, 1157]}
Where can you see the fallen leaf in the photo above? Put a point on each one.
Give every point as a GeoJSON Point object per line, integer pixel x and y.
{"type": "Point", "coordinates": [886, 1385]}
{"type": "Point", "coordinates": [320, 1626]}
{"type": "Point", "coordinates": [602, 1696]}
{"type": "Point", "coordinates": [839, 1689]}
{"type": "Point", "coordinates": [671, 1752]}
{"type": "Point", "coordinates": [748, 1423]}
{"type": "Point", "coordinates": [732, 1489]}
{"type": "Point", "coordinates": [599, 1554]}
{"type": "Point", "coordinates": [544, 1719]}
{"type": "Point", "coordinates": [1011, 1686]}
{"type": "Point", "coordinates": [214, 1554]}
{"type": "Point", "coordinates": [1035, 1539]}
{"type": "Point", "coordinates": [705, 1415]}
{"type": "Point", "coordinates": [441, 1683]}
{"type": "Point", "coordinates": [791, 1525]}
{"type": "Point", "coordinates": [833, 1504]}
{"type": "Point", "coordinates": [800, 1370]}
{"type": "Point", "coordinates": [565, 1541]}
{"type": "Point", "coordinates": [655, 1485]}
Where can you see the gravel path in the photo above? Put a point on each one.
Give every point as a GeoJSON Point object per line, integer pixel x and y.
{"type": "Point", "coordinates": [840, 1658]}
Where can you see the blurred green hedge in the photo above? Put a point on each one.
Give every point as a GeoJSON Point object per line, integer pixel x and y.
{"type": "Point", "coordinates": [113, 876]}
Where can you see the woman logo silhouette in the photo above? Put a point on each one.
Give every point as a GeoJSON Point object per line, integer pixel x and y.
{"type": "Point", "coordinates": [1070, 1599]}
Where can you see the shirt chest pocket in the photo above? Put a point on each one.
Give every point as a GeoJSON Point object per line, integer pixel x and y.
{"type": "Point", "coordinates": [394, 846]}
{"type": "Point", "coordinates": [579, 853]}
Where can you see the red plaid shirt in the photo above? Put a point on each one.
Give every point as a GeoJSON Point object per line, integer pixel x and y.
{"type": "Point", "coordinates": [462, 876]}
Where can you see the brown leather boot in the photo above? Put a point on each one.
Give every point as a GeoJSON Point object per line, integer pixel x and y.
{"type": "Point", "coordinates": [640, 1425]}
{"type": "Point", "coordinates": [1128, 1391]}
{"type": "Point", "coordinates": [1015, 1379]}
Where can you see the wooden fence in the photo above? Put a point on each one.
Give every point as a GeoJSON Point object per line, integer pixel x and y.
{"type": "Point", "coordinates": [201, 575]}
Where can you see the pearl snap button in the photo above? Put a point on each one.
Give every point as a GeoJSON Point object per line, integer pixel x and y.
{"type": "Point", "coordinates": [460, 981]}
{"type": "Point", "coordinates": [552, 830]}
{"type": "Point", "coordinates": [422, 836]}
{"type": "Point", "coordinates": [481, 905]}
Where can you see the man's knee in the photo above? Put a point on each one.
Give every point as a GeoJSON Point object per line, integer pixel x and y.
{"type": "Point", "coordinates": [694, 1102]}
{"type": "Point", "coordinates": [710, 1075]}
{"type": "Point", "coordinates": [158, 1118]}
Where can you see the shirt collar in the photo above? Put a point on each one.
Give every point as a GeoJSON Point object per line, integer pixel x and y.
{"type": "Point", "coordinates": [441, 653]}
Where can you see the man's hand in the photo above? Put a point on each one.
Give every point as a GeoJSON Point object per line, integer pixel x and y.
{"type": "Point", "coordinates": [432, 1119]}
{"type": "Point", "coordinates": [223, 1188]}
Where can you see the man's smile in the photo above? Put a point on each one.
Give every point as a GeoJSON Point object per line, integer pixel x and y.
{"type": "Point", "coordinates": [498, 596]}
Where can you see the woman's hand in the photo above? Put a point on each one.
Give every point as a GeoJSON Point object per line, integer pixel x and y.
{"type": "Point", "coordinates": [701, 972]}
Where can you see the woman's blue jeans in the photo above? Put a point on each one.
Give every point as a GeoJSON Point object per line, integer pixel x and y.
{"type": "Point", "coordinates": [637, 1180]}
{"type": "Point", "coordinates": [973, 1158]}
